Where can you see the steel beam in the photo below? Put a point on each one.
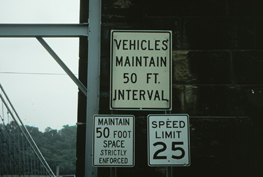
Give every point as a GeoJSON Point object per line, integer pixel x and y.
{"type": "Point", "coordinates": [62, 65]}
{"type": "Point", "coordinates": [93, 81]}
{"type": "Point", "coordinates": [43, 30]}
{"type": "Point", "coordinates": [48, 30]}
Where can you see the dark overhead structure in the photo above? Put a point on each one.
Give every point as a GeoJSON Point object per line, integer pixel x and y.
{"type": "Point", "coordinates": [217, 80]}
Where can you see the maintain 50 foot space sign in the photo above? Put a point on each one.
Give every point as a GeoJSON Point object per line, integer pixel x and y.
{"type": "Point", "coordinates": [141, 70]}
{"type": "Point", "coordinates": [113, 141]}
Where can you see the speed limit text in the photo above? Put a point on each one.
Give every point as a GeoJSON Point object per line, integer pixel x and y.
{"type": "Point", "coordinates": [168, 124]}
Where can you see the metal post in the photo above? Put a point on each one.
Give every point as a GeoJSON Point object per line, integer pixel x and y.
{"type": "Point", "coordinates": [93, 80]}
{"type": "Point", "coordinates": [113, 172]}
{"type": "Point", "coordinates": [169, 171]}
{"type": "Point", "coordinates": [57, 171]}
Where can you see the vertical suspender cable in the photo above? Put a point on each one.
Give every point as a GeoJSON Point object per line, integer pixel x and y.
{"type": "Point", "coordinates": [26, 133]}
{"type": "Point", "coordinates": [29, 138]}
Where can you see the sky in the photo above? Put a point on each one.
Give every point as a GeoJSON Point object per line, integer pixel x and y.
{"type": "Point", "coordinates": [41, 92]}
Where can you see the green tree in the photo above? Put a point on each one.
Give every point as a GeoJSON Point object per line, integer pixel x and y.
{"type": "Point", "coordinates": [59, 148]}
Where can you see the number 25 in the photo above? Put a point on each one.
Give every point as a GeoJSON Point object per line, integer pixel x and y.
{"type": "Point", "coordinates": [174, 148]}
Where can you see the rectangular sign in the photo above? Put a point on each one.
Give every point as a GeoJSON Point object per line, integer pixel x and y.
{"type": "Point", "coordinates": [141, 68]}
{"type": "Point", "coordinates": [113, 141]}
{"type": "Point", "coordinates": [168, 140]}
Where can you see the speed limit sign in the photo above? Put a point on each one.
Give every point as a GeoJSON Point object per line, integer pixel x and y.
{"type": "Point", "coordinates": [168, 140]}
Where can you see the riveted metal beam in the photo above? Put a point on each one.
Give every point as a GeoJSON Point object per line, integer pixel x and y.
{"type": "Point", "coordinates": [43, 30]}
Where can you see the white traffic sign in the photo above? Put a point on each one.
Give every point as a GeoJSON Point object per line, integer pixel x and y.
{"type": "Point", "coordinates": [141, 68]}
{"type": "Point", "coordinates": [113, 141]}
{"type": "Point", "coordinates": [168, 140]}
